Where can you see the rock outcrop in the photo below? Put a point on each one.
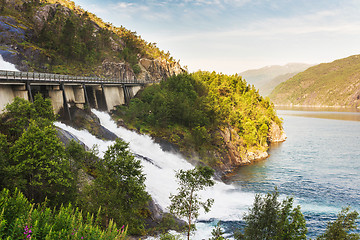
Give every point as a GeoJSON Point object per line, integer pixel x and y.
{"type": "Point", "coordinates": [235, 154]}
{"type": "Point", "coordinates": [276, 134]}
{"type": "Point", "coordinates": [21, 46]}
{"type": "Point", "coordinates": [117, 70]}
{"type": "Point", "coordinates": [159, 69]}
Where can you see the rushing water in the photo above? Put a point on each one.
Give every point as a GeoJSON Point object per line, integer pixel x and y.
{"type": "Point", "coordinates": [319, 165]}
{"type": "Point", "coordinates": [6, 65]}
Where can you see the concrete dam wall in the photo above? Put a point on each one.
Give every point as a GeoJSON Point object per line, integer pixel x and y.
{"type": "Point", "coordinates": [65, 95]}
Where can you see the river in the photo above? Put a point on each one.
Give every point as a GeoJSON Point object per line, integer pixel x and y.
{"type": "Point", "coordinates": [319, 165]}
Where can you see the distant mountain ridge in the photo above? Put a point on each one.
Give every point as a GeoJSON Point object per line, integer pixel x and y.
{"type": "Point", "coordinates": [267, 78]}
{"type": "Point", "coordinates": [327, 84]}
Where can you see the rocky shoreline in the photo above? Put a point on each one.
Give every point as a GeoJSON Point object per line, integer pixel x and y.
{"type": "Point", "coordinates": [231, 161]}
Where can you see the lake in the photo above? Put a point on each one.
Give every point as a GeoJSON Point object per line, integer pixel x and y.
{"type": "Point", "coordinates": [318, 164]}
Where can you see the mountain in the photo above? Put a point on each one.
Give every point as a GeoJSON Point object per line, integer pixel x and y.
{"type": "Point", "coordinates": [56, 36]}
{"type": "Point", "coordinates": [267, 78]}
{"type": "Point", "coordinates": [327, 84]}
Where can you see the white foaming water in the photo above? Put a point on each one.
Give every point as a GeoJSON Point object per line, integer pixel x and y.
{"type": "Point", "coordinates": [6, 65]}
{"type": "Point", "coordinates": [229, 203]}
{"type": "Point", "coordinates": [320, 194]}
{"type": "Point", "coordinates": [160, 168]}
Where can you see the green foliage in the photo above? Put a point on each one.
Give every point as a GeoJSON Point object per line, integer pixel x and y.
{"type": "Point", "coordinates": [190, 109]}
{"type": "Point", "coordinates": [4, 150]}
{"type": "Point", "coordinates": [168, 236]}
{"type": "Point", "coordinates": [187, 202]}
{"type": "Point", "coordinates": [80, 158]}
{"type": "Point", "coordinates": [75, 41]}
{"type": "Point", "coordinates": [33, 158]}
{"type": "Point", "coordinates": [19, 219]}
{"type": "Point", "coordinates": [271, 219]}
{"type": "Point", "coordinates": [21, 112]}
{"type": "Point", "coordinates": [326, 84]}
{"type": "Point", "coordinates": [342, 227]}
{"type": "Point", "coordinates": [217, 232]}
{"type": "Point", "coordinates": [38, 165]}
{"type": "Point", "coordinates": [119, 189]}
{"type": "Point", "coordinates": [43, 109]}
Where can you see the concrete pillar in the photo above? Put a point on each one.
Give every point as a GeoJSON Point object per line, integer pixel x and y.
{"type": "Point", "coordinates": [70, 96]}
{"type": "Point", "coordinates": [134, 90]}
{"type": "Point", "coordinates": [90, 90]}
{"type": "Point", "coordinates": [114, 96]}
{"type": "Point", "coordinates": [126, 94]}
{"type": "Point", "coordinates": [79, 96]}
{"type": "Point", "coordinates": [9, 92]}
{"type": "Point", "coordinates": [6, 96]}
{"type": "Point", "coordinates": [65, 101]}
{"type": "Point", "coordinates": [87, 102]}
{"type": "Point", "coordinates": [56, 97]}
{"type": "Point", "coordinates": [20, 91]}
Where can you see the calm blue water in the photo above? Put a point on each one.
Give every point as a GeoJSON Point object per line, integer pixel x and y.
{"type": "Point", "coordinates": [319, 165]}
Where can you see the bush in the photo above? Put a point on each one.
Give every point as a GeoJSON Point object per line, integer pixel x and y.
{"type": "Point", "coordinates": [270, 219]}
{"type": "Point", "coordinates": [118, 189]}
{"type": "Point", "coordinates": [342, 227]}
{"type": "Point", "coordinates": [19, 219]}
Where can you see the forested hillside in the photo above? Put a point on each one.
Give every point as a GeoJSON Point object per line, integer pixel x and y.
{"type": "Point", "coordinates": [327, 84]}
{"type": "Point", "coordinates": [217, 117]}
{"type": "Point", "coordinates": [60, 37]}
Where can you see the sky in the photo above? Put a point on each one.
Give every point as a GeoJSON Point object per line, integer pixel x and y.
{"type": "Point", "coordinates": [233, 36]}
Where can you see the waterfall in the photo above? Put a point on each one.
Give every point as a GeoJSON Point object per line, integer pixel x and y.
{"type": "Point", "coordinates": [6, 65]}
{"type": "Point", "coordinates": [160, 167]}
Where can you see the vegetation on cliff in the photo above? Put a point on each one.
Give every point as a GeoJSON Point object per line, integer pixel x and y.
{"type": "Point", "coordinates": [60, 37]}
{"type": "Point", "coordinates": [327, 84]}
{"type": "Point", "coordinates": [34, 161]}
{"type": "Point", "coordinates": [207, 113]}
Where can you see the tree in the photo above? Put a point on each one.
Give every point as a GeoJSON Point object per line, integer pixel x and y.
{"type": "Point", "coordinates": [270, 219]}
{"type": "Point", "coordinates": [187, 202]}
{"type": "Point", "coordinates": [4, 150]}
{"type": "Point", "coordinates": [43, 109]}
{"type": "Point", "coordinates": [217, 232]}
{"type": "Point", "coordinates": [68, 38]}
{"type": "Point", "coordinates": [119, 189]}
{"type": "Point", "coordinates": [340, 228]}
{"type": "Point", "coordinates": [20, 112]}
{"type": "Point", "coordinates": [39, 167]}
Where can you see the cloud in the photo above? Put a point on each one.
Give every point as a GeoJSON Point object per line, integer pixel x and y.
{"type": "Point", "coordinates": [123, 5]}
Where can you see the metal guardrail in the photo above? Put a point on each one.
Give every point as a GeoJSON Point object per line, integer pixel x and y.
{"type": "Point", "coordinates": [49, 77]}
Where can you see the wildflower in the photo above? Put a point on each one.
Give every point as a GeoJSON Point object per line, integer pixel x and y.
{"type": "Point", "coordinates": [27, 232]}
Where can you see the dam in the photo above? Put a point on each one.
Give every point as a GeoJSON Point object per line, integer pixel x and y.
{"type": "Point", "coordinates": [67, 91]}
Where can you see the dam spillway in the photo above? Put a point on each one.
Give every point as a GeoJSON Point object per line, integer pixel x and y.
{"type": "Point", "coordinates": [66, 91]}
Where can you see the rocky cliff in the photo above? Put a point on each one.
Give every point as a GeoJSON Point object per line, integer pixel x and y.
{"type": "Point", "coordinates": [235, 154]}
{"type": "Point", "coordinates": [63, 38]}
